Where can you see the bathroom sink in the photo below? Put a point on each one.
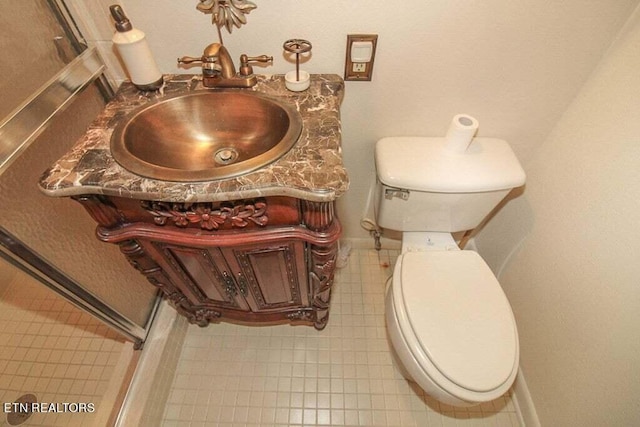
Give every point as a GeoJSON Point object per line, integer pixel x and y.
{"type": "Point", "coordinates": [202, 136]}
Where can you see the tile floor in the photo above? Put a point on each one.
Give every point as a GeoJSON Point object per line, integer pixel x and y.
{"type": "Point", "coordinates": [230, 375]}
{"type": "Point", "coordinates": [53, 350]}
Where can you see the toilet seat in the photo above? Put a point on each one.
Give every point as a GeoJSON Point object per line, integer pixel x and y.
{"type": "Point", "coordinates": [456, 322]}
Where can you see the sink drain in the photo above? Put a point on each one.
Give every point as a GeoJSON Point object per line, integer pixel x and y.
{"type": "Point", "coordinates": [21, 409]}
{"type": "Point", "coordinates": [225, 156]}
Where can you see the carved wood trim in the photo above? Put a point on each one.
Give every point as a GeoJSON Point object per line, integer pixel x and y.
{"type": "Point", "coordinates": [154, 273]}
{"type": "Point", "coordinates": [170, 253]}
{"type": "Point", "coordinates": [203, 316]}
{"type": "Point", "coordinates": [101, 209]}
{"type": "Point", "coordinates": [290, 263]}
{"type": "Point", "coordinates": [317, 216]}
{"type": "Point", "coordinates": [208, 215]}
{"type": "Point", "coordinates": [303, 315]}
{"type": "Point", "coordinates": [169, 256]}
{"type": "Point", "coordinates": [323, 261]}
{"type": "Point", "coordinates": [255, 290]}
{"type": "Point", "coordinates": [220, 239]}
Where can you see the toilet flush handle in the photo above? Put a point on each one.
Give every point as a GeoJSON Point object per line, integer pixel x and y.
{"type": "Point", "coordinates": [390, 193]}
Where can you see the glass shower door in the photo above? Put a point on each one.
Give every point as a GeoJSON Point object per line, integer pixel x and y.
{"type": "Point", "coordinates": [69, 342]}
{"type": "Point", "coordinates": [49, 97]}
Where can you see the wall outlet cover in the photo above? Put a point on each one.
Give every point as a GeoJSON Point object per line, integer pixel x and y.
{"type": "Point", "coordinates": [360, 70]}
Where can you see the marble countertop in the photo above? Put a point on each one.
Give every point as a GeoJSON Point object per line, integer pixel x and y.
{"type": "Point", "coordinates": [312, 170]}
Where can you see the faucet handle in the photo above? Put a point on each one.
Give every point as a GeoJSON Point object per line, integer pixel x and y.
{"type": "Point", "coordinates": [261, 58]}
{"type": "Point", "coordinates": [245, 68]}
{"type": "Point", "coordinates": [209, 66]}
{"type": "Point", "coordinates": [189, 60]}
{"type": "Point", "coordinates": [192, 60]}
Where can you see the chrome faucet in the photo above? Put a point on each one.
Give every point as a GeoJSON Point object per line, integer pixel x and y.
{"type": "Point", "coordinates": [218, 69]}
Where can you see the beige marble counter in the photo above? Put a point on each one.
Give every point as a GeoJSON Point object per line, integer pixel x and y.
{"type": "Point", "coordinates": [312, 170]}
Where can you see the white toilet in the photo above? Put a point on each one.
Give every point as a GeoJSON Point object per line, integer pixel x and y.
{"type": "Point", "coordinates": [449, 321]}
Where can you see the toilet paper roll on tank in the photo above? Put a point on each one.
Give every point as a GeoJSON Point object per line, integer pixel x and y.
{"type": "Point", "coordinates": [461, 132]}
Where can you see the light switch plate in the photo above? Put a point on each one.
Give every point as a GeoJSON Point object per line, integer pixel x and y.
{"type": "Point", "coordinates": [359, 71]}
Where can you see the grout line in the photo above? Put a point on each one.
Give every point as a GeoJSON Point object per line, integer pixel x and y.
{"type": "Point", "coordinates": [56, 361]}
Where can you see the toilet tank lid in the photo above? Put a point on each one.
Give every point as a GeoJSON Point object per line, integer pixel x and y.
{"type": "Point", "coordinates": [461, 317]}
{"type": "Point", "coordinates": [424, 164]}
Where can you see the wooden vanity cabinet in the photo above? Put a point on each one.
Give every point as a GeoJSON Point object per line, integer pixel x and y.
{"type": "Point", "coordinates": [259, 261]}
{"type": "Point", "coordinates": [248, 278]}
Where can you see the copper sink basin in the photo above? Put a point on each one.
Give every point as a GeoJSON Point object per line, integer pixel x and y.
{"type": "Point", "coordinates": [202, 136]}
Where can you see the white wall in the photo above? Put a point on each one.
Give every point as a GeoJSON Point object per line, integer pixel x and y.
{"type": "Point", "coordinates": [515, 66]}
{"type": "Point", "coordinates": [574, 283]}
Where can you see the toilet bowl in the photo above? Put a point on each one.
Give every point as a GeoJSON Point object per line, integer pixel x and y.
{"type": "Point", "coordinates": [451, 326]}
{"type": "Point", "coordinates": [448, 319]}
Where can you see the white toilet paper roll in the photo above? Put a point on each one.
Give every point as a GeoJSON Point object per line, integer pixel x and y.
{"type": "Point", "coordinates": [461, 132]}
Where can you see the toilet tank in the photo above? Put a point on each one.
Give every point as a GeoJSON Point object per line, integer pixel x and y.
{"type": "Point", "coordinates": [421, 186]}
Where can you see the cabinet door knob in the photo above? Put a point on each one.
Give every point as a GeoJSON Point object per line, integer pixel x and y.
{"type": "Point", "coordinates": [242, 284]}
{"type": "Point", "coordinates": [229, 286]}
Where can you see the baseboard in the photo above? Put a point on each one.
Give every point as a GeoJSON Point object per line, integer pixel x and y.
{"type": "Point", "coordinates": [523, 402]}
{"type": "Point", "coordinates": [149, 389]}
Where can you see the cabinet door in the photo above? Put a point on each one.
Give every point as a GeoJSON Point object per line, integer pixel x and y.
{"type": "Point", "coordinates": [271, 276]}
{"type": "Point", "coordinates": [204, 276]}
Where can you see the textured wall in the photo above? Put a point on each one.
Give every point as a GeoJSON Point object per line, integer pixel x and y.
{"type": "Point", "coordinates": [573, 283]}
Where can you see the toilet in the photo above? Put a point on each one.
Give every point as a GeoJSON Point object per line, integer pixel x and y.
{"type": "Point", "coordinates": [448, 319]}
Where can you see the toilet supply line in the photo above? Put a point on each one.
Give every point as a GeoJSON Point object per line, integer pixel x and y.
{"type": "Point", "coordinates": [373, 229]}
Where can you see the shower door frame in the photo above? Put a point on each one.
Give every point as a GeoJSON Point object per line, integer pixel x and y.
{"type": "Point", "coordinates": [18, 130]}
{"type": "Point", "coordinates": [21, 256]}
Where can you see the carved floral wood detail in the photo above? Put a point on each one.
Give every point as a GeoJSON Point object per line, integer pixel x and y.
{"type": "Point", "coordinates": [210, 216]}
{"type": "Point", "coordinates": [323, 260]}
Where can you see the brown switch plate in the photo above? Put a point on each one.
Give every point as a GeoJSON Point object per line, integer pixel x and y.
{"type": "Point", "coordinates": [364, 70]}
